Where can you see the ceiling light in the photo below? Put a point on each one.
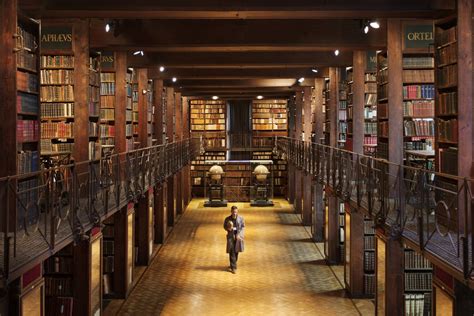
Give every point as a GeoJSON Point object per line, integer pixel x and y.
{"type": "Point", "coordinates": [130, 68]}
{"type": "Point", "coordinates": [314, 70]}
{"type": "Point", "coordinates": [215, 97]}
{"type": "Point", "coordinates": [301, 80]}
{"type": "Point", "coordinates": [162, 68]}
{"type": "Point", "coordinates": [375, 24]}
{"type": "Point", "coordinates": [174, 79]}
{"type": "Point", "coordinates": [260, 97]}
{"type": "Point", "coordinates": [366, 29]}
{"type": "Point", "coordinates": [107, 27]}
{"type": "Point", "coordinates": [336, 52]}
{"type": "Point", "coordinates": [138, 52]}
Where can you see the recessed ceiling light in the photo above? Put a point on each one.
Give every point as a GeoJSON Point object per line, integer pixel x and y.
{"type": "Point", "coordinates": [301, 80]}
{"type": "Point", "coordinates": [374, 24]}
{"type": "Point", "coordinates": [139, 52]}
{"type": "Point", "coordinates": [260, 97]}
{"type": "Point", "coordinates": [314, 70]}
{"type": "Point", "coordinates": [162, 68]}
{"type": "Point", "coordinates": [174, 79]}
{"type": "Point", "coordinates": [336, 52]}
{"type": "Point", "coordinates": [107, 27]}
{"type": "Point", "coordinates": [215, 97]}
{"type": "Point", "coordinates": [366, 29]}
{"type": "Point", "coordinates": [130, 68]}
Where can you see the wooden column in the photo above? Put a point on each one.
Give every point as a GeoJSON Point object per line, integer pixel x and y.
{"type": "Point", "coordinates": [332, 243]}
{"type": "Point", "coordinates": [120, 101]}
{"type": "Point", "coordinates": [464, 34]}
{"type": "Point", "coordinates": [307, 178]}
{"type": "Point", "coordinates": [186, 170]}
{"type": "Point", "coordinates": [298, 174]}
{"type": "Point", "coordinates": [394, 270]}
{"type": "Point", "coordinates": [179, 136]}
{"type": "Point", "coordinates": [142, 76]}
{"type": "Point", "coordinates": [355, 229]}
{"type": "Point", "coordinates": [318, 216]}
{"type": "Point", "coordinates": [170, 183]}
{"type": "Point", "coordinates": [124, 238]}
{"type": "Point", "coordinates": [81, 86]}
{"type": "Point", "coordinates": [291, 167]}
{"type": "Point", "coordinates": [159, 209]}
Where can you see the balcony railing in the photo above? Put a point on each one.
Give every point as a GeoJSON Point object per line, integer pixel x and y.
{"type": "Point", "coordinates": [44, 210]}
{"type": "Point", "coordinates": [431, 210]}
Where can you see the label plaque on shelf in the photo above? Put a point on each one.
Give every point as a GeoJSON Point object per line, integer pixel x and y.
{"type": "Point", "coordinates": [56, 37]}
{"type": "Point", "coordinates": [418, 36]}
{"type": "Point", "coordinates": [107, 60]}
{"type": "Point", "coordinates": [371, 62]}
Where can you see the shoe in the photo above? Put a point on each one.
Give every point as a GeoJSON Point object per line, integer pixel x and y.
{"type": "Point", "coordinates": [233, 271]}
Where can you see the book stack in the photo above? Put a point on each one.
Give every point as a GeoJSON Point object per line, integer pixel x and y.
{"type": "Point", "coordinates": [27, 161]}
{"type": "Point", "coordinates": [418, 108]}
{"type": "Point", "coordinates": [418, 92]}
{"type": "Point", "coordinates": [27, 131]}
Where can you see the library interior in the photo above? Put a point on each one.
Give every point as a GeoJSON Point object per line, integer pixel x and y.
{"type": "Point", "coordinates": [342, 131]}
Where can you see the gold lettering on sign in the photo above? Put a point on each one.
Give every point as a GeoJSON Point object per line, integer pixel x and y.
{"type": "Point", "coordinates": [56, 38]}
{"type": "Point", "coordinates": [107, 59]}
{"type": "Point", "coordinates": [420, 36]}
{"type": "Point", "coordinates": [373, 59]}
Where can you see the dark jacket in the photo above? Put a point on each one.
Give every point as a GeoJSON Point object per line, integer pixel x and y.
{"type": "Point", "coordinates": [237, 243]}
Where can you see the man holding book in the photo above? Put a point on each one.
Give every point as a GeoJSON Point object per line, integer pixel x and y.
{"type": "Point", "coordinates": [234, 225]}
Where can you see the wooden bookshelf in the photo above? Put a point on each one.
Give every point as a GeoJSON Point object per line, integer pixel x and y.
{"type": "Point", "coordinates": [237, 181]}
{"type": "Point", "coordinates": [135, 109]}
{"type": "Point", "coordinates": [369, 257]}
{"type": "Point", "coordinates": [370, 113]}
{"type": "Point", "coordinates": [326, 111]}
{"type": "Point", "coordinates": [345, 99]}
{"type": "Point", "coordinates": [129, 110]}
{"type": "Point", "coordinates": [107, 102]}
{"type": "Point", "coordinates": [382, 105]}
{"type": "Point", "coordinates": [418, 275]}
{"type": "Point", "coordinates": [95, 150]}
{"type": "Point", "coordinates": [342, 226]}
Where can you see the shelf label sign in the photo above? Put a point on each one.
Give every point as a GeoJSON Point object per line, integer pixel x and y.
{"type": "Point", "coordinates": [107, 60]}
{"type": "Point", "coordinates": [371, 61]}
{"type": "Point", "coordinates": [56, 37]}
{"type": "Point", "coordinates": [418, 35]}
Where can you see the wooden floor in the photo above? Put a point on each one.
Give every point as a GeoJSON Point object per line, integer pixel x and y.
{"type": "Point", "coordinates": [281, 271]}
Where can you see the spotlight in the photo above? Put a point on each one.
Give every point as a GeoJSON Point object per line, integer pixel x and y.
{"type": "Point", "coordinates": [301, 80]}
{"type": "Point", "coordinates": [162, 68]}
{"type": "Point", "coordinates": [139, 52]}
{"type": "Point", "coordinates": [374, 24]}
{"type": "Point", "coordinates": [314, 70]}
{"type": "Point", "coordinates": [366, 29]}
{"type": "Point", "coordinates": [215, 97]}
{"type": "Point", "coordinates": [260, 97]}
{"type": "Point", "coordinates": [107, 27]}
{"type": "Point", "coordinates": [174, 79]}
{"type": "Point", "coordinates": [130, 68]}
{"type": "Point", "coordinates": [336, 52]}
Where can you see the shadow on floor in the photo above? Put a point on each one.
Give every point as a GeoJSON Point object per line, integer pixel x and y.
{"type": "Point", "coordinates": [212, 268]}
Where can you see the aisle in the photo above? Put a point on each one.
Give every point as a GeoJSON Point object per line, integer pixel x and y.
{"type": "Point", "coordinates": [280, 273]}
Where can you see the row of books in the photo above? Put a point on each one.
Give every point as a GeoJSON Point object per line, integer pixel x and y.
{"type": "Point", "coordinates": [208, 127]}
{"type": "Point", "coordinates": [414, 260]}
{"type": "Point", "coordinates": [107, 77]}
{"type": "Point", "coordinates": [370, 113]}
{"type": "Point", "coordinates": [107, 88]}
{"type": "Point", "coordinates": [370, 77]}
{"type": "Point", "coordinates": [418, 281]}
{"type": "Point", "coordinates": [418, 76]}
{"type": "Point", "coordinates": [209, 103]}
{"type": "Point", "coordinates": [128, 130]}
{"type": "Point", "coordinates": [369, 228]}
{"type": "Point", "coordinates": [208, 111]}
{"type": "Point", "coordinates": [418, 304]}
{"type": "Point", "coordinates": [26, 82]}
{"type": "Point", "coordinates": [27, 103]}
{"type": "Point", "coordinates": [417, 145]}
{"type": "Point", "coordinates": [418, 62]}
{"type": "Point", "coordinates": [382, 92]}
{"type": "Point", "coordinates": [447, 55]}
{"type": "Point", "coordinates": [25, 39]}
{"type": "Point", "coordinates": [272, 111]}
{"type": "Point", "coordinates": [94, 109]}
{"type": "Point", "coordinates": [57, 130]}
{"type": "Point", "coordinates": [264, 121]}
{"type": "Point", "coordinates": [107, 130]}
{"type": "Point", "coordinates": [448, 103]}
{"type": "Point", "coordinates": [448, 160]}
{"type": "Point", "coordinates": [446, 36]}
{"type": "Point", "coordinates": [128, 115]}
{"type": "Point", "coordinates": [269, 127]}
{"type": "Point", "coordinates": [53, 110]}
{"type": "Point", "coordinates": [109, 115]}
{"type": "Point", "coordinates": [109, 262]}
{"type": "Point", "coordinates": [47, 146]}
{"type": "Point", "coordinates": [58, 264]}
{"type": "Point", "coordinates": [447, 76]}
{"type": "Point", "coordinates": [27, 131]}
{"type": "Point", "coordinates": [26, 60]}
{"type": "Point", "coordinates": [448, 130]}
{"type": "Point", "coordinates": [370, 140]}
{"type": "Point", "coordinates": [57, 76]}
{"type": "Point", "coordinates": [59, 306]}
{"type": "Point", "coordinates": [203, 121]}
{"type": "Point", "coordinates": [215, 142]}
{"type": "Point", "coordinates": [94, 78]}
{"type": "Point", "coordinates": [57, 61]}
{"type": "Point", "coordinates": [419, 92]}
{"type": "Point", "coordinates": [369, 260]}
{"type": "Point", "coordinates": [369, 242]}
{"type": "Point", "coordinates": [57, 93]}
{"type": "Point", "coordinates": [370, 87]}
{"type": "Point", "coordinates": [107, 101]}
{"type": "Point", "coordinates": [369, 284]}
{"type": "Point", "coordinates": [419, 108]}
{"type": "Point", "coordinates": [370, 128]}
{"type": "Point", "coordinates": [419, 127]}
{"type": "Point", "coordinates": [27, 161]}
{"type": "Point", "coordinates": [93, 129]}
{"type": "Point", "coordinates": [370, 99]}
{"type": "Point", "coordinates": [263, 142]}
{"type": "Point", "coordinates": [58, 286]}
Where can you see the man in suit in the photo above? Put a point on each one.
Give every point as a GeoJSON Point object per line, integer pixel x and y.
{"type": "Point", "coordinates": [234, 225]}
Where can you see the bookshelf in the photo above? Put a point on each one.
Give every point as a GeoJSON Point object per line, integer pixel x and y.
{"type": "Point", "coordinates": [59, 282]}
{"type": "Point", "coordinates": [326, 124]}
{"type": "Point", "coordinates": [94, 88]}
{"type": "Point", "coordinates": [369, 257]}
{"type": "Point", "coordinates": [370, 113]}
{"type": "Point", "coordinates": [207, 120]}
{"type": "Point", "coordinates": [129, 110]}
{"type": "Point", "coordinates": [341, 230]}
{"type": "Point", "coordinates": [382, 105]}
{"type": "Point", "coordinates": [135, 110]}
{"type": "Point", "coordinates": [237, 181]}
{"type": "Point", "coordinates": [108, 253]}
{"type": "Point", "coordinates": [418, 275]}
{"type": "Point", "coordinates": [345, 98]}
{"type": "Point", "coordinates": [150, 97]}
{"type": "Point", "coordinates": [348, 108]}
{"type": "Point", "coordinates": [107, 102]}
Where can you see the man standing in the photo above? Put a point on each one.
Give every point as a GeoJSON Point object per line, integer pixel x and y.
{"type": "Point", "coordinates": [234, 225]}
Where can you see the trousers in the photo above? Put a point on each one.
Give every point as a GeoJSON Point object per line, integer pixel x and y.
{"type": "Point", "coordinates": [233, 257]}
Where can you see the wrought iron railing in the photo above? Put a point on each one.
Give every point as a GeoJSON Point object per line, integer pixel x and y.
{"type": "Point", "coordinates": [42, 211]}
{"type": "Point", "coordinates": [430, 209]}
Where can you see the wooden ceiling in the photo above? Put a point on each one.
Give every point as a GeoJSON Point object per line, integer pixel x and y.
{"type": "Point", "coordinates": [237, 48]}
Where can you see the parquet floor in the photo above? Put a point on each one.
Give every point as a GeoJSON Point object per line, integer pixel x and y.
{"type": "Point", "coordinates": [281, 271]}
